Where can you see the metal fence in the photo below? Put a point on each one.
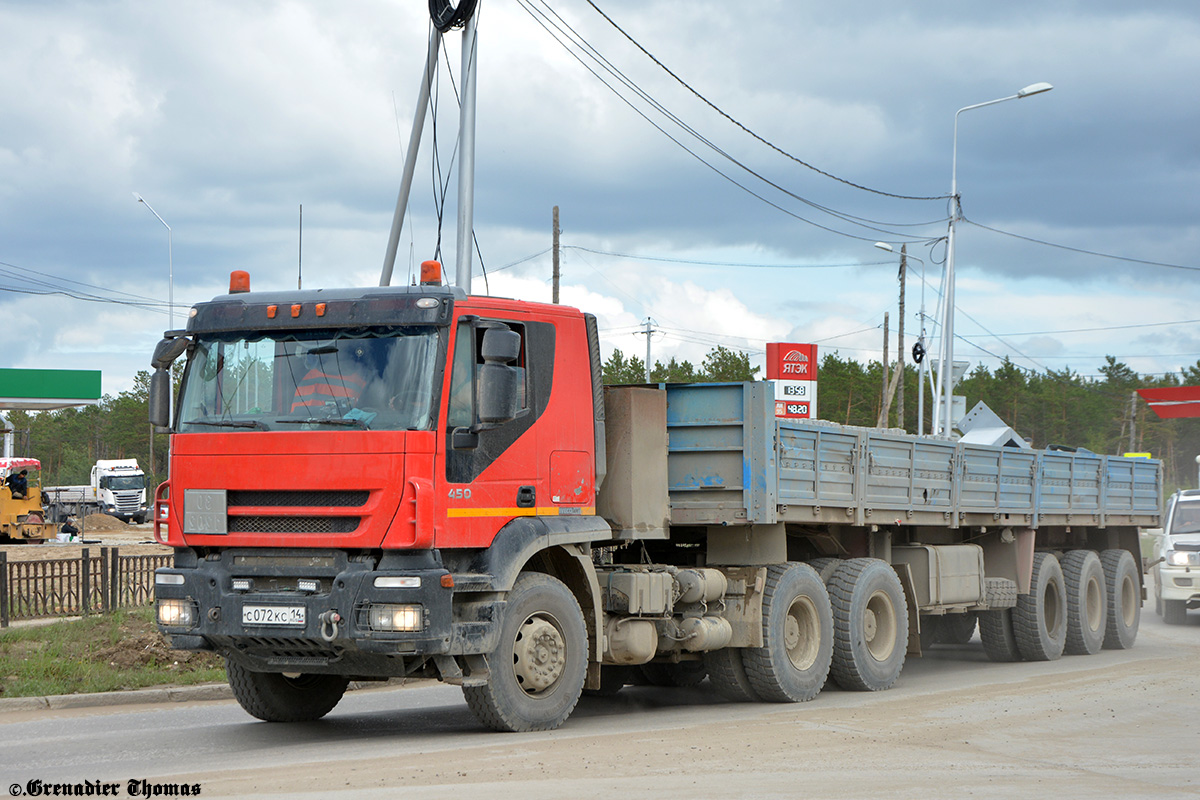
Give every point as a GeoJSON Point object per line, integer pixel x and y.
{"type": "Point", "coordinates": [76, 586]}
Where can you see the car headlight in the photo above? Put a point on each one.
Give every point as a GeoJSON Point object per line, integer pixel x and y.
{"type": "Point", "coordinates": [176, 613]}
{"type": "Point", "coordinates": [1183, 558]}
{"type": "Point", "coordinates": [397, 617]}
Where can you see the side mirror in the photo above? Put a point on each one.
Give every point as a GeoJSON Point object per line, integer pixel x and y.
{"type": "Point", "coordinates": [160, 398]}
{"type": "Point", "coordinates": [499, 383]}
{"type": "Point", "coordinates": [168, 350]}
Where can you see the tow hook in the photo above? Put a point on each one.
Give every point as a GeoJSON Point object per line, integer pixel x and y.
{"type": "Point", "coordinates": [329, 624]}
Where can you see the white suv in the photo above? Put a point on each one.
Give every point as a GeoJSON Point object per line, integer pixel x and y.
{"type": "Point", "coordinates": [1177, 573]}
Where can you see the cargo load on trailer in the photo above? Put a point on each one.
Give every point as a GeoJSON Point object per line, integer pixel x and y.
{"type": "Point", "coordinates": [117, 488]}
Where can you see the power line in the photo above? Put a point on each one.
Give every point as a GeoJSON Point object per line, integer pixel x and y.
{"type": "Point", "coordinates": [739, 264]}
{"type": "Point", "coordinates": [774, 147]}
{"type": "Point", "coordinates": [1080, 249]}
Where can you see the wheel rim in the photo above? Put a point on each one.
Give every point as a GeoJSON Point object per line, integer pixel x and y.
{"type": "Point", "coordinates": [1128, 609]}
{"type": "Point", "coordinates": [539, 654]}
{"type": "Point", "coordinates": [879, 626]}
{"type": "Point", "coordinates": [1094, 605]}
{"type": "Point", "coordinates": [802, 633]}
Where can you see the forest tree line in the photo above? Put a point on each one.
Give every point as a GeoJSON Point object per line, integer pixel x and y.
{"type": "Point", "coordinates": [1056, 407]}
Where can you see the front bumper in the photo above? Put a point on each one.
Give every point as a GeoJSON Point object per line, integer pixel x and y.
{"type": "Point", "coordinates": [1179, 583]}
{"type": "Point", "coordinates": [346, 590]}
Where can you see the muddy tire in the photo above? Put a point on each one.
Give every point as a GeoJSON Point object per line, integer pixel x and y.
{"type": "Point", "coordinates": [1124, 599]}
{"type": "Point", "coordinates": [1040, 618]}
{"type": "Point", "coordinates": [870, 621]}
{"type": "Point", "coordinates": [797, 625]}
{"type": "Point", "coordinates": [1174, 612]}
{"type": "Point", "coordinates": [273, 697]}
{"type": "Point", "coordinates": [727, 674]}
{"type": "Point", "coordinates": [825, 567]}
{"type": "Point", "coordinates": [537, 672]}
{"type": "Point", "coordinates": [996, 633]}
{"type": "Point", "coordinates": [1087, 602]}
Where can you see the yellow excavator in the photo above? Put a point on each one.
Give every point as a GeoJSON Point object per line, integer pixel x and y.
{"type": "Point", "coordinates": [21, 516]}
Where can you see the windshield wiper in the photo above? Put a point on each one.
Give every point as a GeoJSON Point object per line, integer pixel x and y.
{"type": "Point", "coordinates": [229, 423]}
{"type": "Point", "coordinates": [345, 423]}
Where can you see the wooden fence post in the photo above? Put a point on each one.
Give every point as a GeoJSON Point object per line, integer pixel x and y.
{"type": "Point", "coordinates": [114, 580]}
{"type": "Point", "coordinates": [3, 589]}
{"type": "Point", "coordinates": [105, 592]}
{"type": "Point", "coordinates": [84, 580]}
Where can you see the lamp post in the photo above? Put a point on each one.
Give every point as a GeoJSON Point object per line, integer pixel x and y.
{"type": "Point", "coordinates": [170, 264]}
{"type": "Point", "coordinates": [941, 421]}
{"type": "Point", "coordinates": [904, 256]}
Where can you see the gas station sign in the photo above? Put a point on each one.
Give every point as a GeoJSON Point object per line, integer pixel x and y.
{"type": "Point", "coordinates": [793, 368]}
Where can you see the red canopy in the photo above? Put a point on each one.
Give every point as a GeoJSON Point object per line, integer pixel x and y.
{"type": "Point", "coordinates": [1173, 402]}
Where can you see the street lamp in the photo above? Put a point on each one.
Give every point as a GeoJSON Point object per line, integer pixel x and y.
{"type": "Point", "coordinates": [942, 410]}
{"type": "Point", "coordinates": [921, 375]}
{"type": "Point", "coordinates": [170, 264]}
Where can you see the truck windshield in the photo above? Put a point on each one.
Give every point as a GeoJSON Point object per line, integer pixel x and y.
{"type": "Point", "coordinates": [321, 380]}
{"type": "Point", "coordinates": [123, 483]}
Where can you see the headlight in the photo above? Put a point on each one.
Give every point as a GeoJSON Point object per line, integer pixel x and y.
{"type": "Point", "coordinates": [176, 613]}
{"type": "Point", "coordinates": [1183, 558]}
{"type": "Point", "coordinates": [397, 617]}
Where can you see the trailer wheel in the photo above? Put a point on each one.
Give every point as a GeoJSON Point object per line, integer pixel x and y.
{"type": "Point", "coordinates": [825, 567]}
{"type": "Point", "coordinates": [797, 650]}
{"type": "Point", "coordinates": [870, 625]}
{"type": "Point", "coordinates": [1124, 599]}
{"type": "Point", "coordinates": [727, 674]}
{"type": "Point", "coordinates": [1087, 606]}
{"type": "Point", "coordinates": [537, 672]}
{"type": "Point", "coordinates": [273, 697]}
{"type": "Point", "coordinates": [1040, 618]}
{"type": "Point", "coordinates": [955, 628]}
{"type": "Point", "coordinates": [683, 673]}
{"type": "Point", "coordinates": [996, 633]}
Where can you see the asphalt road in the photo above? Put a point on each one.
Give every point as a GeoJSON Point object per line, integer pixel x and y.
{"type": "Point", "coordinates": [1117, 724]}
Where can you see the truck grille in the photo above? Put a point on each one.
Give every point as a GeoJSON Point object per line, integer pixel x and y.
{"type": "Point", "coordinates": [337, 499]}
{"type": "Point", "coordinates": [262, 524]}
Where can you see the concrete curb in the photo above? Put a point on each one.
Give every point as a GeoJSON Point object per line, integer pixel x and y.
{"type": "Point", "coordinates": [173, 694]}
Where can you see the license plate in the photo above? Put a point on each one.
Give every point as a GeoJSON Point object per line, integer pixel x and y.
{"type": "Point", "coordinates": [273, 615]}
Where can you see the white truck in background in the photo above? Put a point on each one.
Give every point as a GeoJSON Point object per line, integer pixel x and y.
{"type": "Point", "coordinates": [117, 488]}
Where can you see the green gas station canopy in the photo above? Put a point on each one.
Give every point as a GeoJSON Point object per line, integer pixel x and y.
{"type": "Point", "coordinates": [47, 389]}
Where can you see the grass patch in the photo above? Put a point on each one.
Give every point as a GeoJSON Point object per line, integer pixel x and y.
{"type": "Point", "coordinates": [99, 653]}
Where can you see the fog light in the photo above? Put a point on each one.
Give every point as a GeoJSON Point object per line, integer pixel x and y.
{"type": "Point", "coordinates": [398, 582]}
{"type": "Point", "coordinates": [241, 584]}
{"type": "Point", "coordinates": [308, 585]}
{"type": "Point", "coordinates": [393, 617]}
{"type": "Point", "coordinates": [168, 579]}
{"type": "Point", "coordinates": [176, 613]}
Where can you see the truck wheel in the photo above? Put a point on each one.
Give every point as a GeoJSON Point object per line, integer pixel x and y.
{"type": "Point", "coordinates": [273, 697]}
{"type": "Point", "coordinates": [683, 673]}
{"type": "Point", "coordinates": [825, 567]}
{"type": "Point", "coordinates": [1124, 599]}
{"type": "Point", "coordinates": [797, 621]}
{"type": "Point", "coordinates": [1175, 612]}
{"type": "Point", "coordinates": [1087, 606]}
{"type": "Point", "coordinates": [930, 632]}
{"type": "Point", "coordinates": [727, 674]}
{"type": "Point", "coordinates": [537, 672]}
{"type": "Point", "coordinates": [870, 625]}
{"type": "Point", "coordinates": [1040, 618]}
{"type": "Point", "coordinates": [955, 628]}
{"type": "Point", "coordinates": [996, 633]}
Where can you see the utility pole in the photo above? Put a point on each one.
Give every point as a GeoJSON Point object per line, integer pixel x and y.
{"type": "Point", "coordinates": [1132, 422]}
{"type": "Point", "coordinates": [555, 258]}
{"type": "Point", "coordinates": [300, 253]}
{"type": "Point", "coordinates": [900, 339]}
{"type": "Point", "coordinates": [883, 396]}
{"type": "Point", "coordinates": [649, 323]}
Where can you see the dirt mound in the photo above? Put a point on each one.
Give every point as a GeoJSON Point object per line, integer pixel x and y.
{"type": "Point", "coordinates": [96, 523]}
{"type": "Point", "coordinates": [150, 648]}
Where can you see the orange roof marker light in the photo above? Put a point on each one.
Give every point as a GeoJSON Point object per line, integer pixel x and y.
{"type": "Point", "coordinates": [239, 281]}
{"type": "Point", "coordinates": [431, 273]}
{"type": "Point", "coordinates": [295, 310]}
{"type": "Point", "coordinates": [271, 310]}
{"type": "Point", "coordinates": [320, 309]}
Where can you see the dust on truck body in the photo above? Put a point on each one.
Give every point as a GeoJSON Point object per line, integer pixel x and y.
{"type": "Point", "coordinates": [410, 481]}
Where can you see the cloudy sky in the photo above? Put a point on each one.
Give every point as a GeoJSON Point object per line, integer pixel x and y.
{"type": "Point", "coordinates": [227, 117]}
